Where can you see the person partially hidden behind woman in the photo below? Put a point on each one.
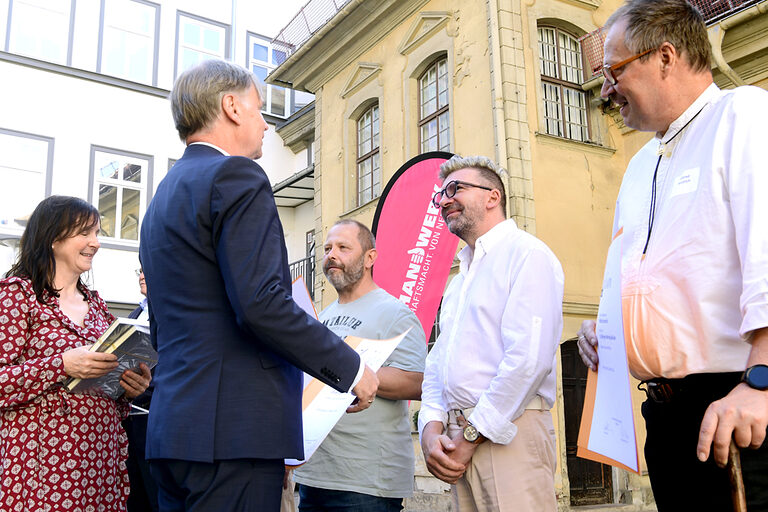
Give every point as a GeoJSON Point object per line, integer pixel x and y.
{"type": "Point", "coordinates": [59, 451]}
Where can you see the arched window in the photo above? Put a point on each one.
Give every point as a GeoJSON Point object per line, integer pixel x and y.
{"type": "Point", "coordinates": [561, 68]}
{"type": "Point", "coordinates": [434, 125]}
{"type": "Point", "coordinates": [368, 156]}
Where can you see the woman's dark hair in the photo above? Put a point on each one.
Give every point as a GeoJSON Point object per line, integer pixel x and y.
{"type": "Point", "coordinates": [54, 219]}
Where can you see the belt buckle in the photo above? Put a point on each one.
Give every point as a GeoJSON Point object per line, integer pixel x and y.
{"type": "Point", "coordinates": [657, 390]}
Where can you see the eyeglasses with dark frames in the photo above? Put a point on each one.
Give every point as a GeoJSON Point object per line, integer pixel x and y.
{"type": "Point", "coordinates": [449, 190]}
{"type": "Point", "coordinates": [609, 70]}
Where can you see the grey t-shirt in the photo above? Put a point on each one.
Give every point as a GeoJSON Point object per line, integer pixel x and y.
{"type": "Point", "coordinates": [370, 452]}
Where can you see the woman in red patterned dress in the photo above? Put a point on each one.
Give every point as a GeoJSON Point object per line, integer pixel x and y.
{"type": "Point", "coordinates": [59, 451]}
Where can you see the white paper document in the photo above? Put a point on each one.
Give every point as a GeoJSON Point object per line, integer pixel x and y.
{"type": "Point", "coordinates": [612, 430]}
{"type": "Point", "coordinates": [324, 406]}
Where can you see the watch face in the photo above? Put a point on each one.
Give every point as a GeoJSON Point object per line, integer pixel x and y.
{"type": "Point", "coordinates": [470, 433]}
{"type": "Point", "coordinates": [757, 376]}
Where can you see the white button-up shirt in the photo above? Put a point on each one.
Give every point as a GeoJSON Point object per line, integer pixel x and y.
{"type": "Point", "coordinates": [500, 326]}
{"type": "Point", "coordinates": [692, 301]}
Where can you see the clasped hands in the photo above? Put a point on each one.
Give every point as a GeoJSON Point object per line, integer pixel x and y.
{"type": "Point", "coordinates": [742, 414]}
{"type": "Point", "coordinates": [81, 363]}
{"type": "Point", "coordinates": [447, 458]}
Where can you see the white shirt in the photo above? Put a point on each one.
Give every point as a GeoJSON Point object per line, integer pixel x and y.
{"type": "Point", "coordinates": [500, 326]}
{"type": "Point", "coordinates": [691, 303]}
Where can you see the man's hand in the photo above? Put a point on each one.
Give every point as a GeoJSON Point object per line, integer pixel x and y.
{"type": "Point", "coordinates": [743, 414]}
{"type": "Point", "coordinates": [365, 391]}
{"type": "Point", "coordinates": [135, 383]}
{"type": "Point", "coordinates": [437, 448]}
{"type": "Point", "coordinates": [464, 449]}
{"type": "Point", "coordinates": [588, 344]}
{"type": "Point", "coordinates": [83, 364]}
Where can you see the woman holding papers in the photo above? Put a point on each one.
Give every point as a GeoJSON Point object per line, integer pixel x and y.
{"type": "Point", "coordinates": [59, 451]}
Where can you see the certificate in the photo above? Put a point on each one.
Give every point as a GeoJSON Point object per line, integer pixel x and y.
{"type": "Point", "coordinates": [322, 405]}
{"type": "Point", "coordinates": [607, 432]}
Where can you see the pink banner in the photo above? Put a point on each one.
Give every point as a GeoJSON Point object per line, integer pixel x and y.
{"type": "Point", "coordinates": [414, 245]}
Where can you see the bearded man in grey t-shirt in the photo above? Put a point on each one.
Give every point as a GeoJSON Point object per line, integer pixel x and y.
{"type": "Point", "coordinates": [367, 461]}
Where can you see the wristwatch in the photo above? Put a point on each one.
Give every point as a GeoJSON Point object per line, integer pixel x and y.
{"type": "Point", "coordinates": [472, 435]}
{"type": "Point", "coordinates": [755, 376]}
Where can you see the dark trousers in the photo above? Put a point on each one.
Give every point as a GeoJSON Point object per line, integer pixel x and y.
{"type": "Point", "coordinates": [240, 485]}
{"type": "Point", "coordinates": [143, 497]}
{"type": "Point", "coordinates": [679, 481]}
{"type": "Point", "coordinates": [314, 499]}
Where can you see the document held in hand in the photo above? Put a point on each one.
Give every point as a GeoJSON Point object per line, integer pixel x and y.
{"type": "Point", "coordinates": [322, 405]}
{"type": "Point", "coordinates": [607, 432]}
{"type": "Point", "coordinates": [129, 340]}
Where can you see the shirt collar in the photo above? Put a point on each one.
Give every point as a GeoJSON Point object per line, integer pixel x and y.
{"type": "Point", "coordinates": [709, 94]}
{"type": "Point", "coordinates": [217, 148]}
{"type": "Point", "coordinates": [486, 243]}
{"type": "Point", "coordinates": [143, 304]}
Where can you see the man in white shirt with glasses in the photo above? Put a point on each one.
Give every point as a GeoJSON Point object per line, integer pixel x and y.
{"type": "Point", "coordinates": [694, 258]}
{"type": "Point", "coordinates": [489, 381]}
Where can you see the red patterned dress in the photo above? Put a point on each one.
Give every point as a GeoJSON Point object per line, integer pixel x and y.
{"type": "Point", "coordinates": [59, 451]}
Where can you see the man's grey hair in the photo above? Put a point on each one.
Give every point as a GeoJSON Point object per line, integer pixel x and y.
{"type": "Point", "coordinates": [650, 23]}
{"type": "Point", "coordinates": [196, 95]}
{"type": "Point", "coordinates": [491, 173]}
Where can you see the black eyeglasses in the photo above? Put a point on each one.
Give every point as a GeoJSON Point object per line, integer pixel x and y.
{"type": "Point", "coordinates": [449, 190]}
{"type": "Point", "coordinates": [609, 71]}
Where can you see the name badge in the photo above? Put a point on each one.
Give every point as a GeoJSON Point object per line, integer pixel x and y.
{"type": "Point", "coordinates": [685, 183]}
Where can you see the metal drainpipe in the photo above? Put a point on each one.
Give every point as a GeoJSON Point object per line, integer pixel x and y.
{"type": "Point", "coordinates": [716, 34]}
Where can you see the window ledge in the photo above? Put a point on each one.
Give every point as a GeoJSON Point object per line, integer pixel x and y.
{"type": "Point", "coordinates": [120, 245]}
{"type": "Point", "coordinates": [360, 209]}
{"type": "Point", "coordinates": [554, 140]}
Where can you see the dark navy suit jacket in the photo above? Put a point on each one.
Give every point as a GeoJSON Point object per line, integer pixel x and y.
{"type": "Point", "coordinates": [231, 340]}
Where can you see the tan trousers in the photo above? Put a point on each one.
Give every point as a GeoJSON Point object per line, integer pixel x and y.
{"type": "Point", "coordinates": [519, 476]}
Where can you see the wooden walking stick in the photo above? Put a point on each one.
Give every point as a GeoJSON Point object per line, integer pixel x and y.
{"type": "Point", "coordinates": [737, 482]}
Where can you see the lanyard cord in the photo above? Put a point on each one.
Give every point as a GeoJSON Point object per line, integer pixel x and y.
{"type": "Point", "coordinates": [652, 212]}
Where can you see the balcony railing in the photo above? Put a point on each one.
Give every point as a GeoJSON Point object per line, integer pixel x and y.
{"type": "Point", "coordinates": [307, 21]}
{"type": "Point", "coordinates": [712, 10]}
{"type": "Point", "coordinates": [306, 269]}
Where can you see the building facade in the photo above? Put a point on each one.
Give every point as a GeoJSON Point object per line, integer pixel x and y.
{"type": "Point", "coordinates": [84, 112]}
{"type": "Point", "coordinates": [517, 81]}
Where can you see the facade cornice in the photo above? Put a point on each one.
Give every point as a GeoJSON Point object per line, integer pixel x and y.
{"type": "Point", "coordinates": [343, 40]}
{"type": "Point", "coordinates": [298, 129]}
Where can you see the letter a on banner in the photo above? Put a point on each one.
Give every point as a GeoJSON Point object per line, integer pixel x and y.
{"type": "Point", "coordinates": [414, 245]}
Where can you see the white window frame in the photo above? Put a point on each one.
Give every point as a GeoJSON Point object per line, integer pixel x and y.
{"type": "Point", "coordinates": [143, 187]}
{"type": "Point", "coordinates": [439, 116]}
{"type": "Point", "coordinates": [11, 44]}
{"type": "Point", "coordinates": [370, 119]}
{"type": "Point", "coordinates": [205, 23]}
{"type": "Point", "coordinates": [268, 92]}
{"type": "Point", "coordinates": [6, 225]}
{"type": "Point", "coordinates": [565, 108]}
{"type": "Point", "coordinates": [107, 31]}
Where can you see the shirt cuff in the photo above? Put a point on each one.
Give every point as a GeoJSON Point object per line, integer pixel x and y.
{"type": "Point", "coordinates": [358, 376]}
{"type": "Point", "coordinates": [491, 424]}
{"type": "Point", "coordinates": [427, 414]}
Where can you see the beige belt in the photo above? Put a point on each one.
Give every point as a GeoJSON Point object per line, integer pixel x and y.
{"type": "Point", "coordinates": [537, 403]}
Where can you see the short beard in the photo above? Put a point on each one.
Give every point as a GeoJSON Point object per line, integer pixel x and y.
{"type": "Point", "coordinates": [348, 277]}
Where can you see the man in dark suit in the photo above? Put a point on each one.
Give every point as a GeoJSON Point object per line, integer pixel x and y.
{"type": "Point", "coordinates": [232, 343]}
{"type": "Point", "coordinates": [143, 497]}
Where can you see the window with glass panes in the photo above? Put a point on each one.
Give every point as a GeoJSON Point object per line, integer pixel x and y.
{"type": "Point", "coordinates": [40, 29]}
{"type": "Point", "coordinates": [434, 122]}
{"type": "Point", "coordinates": [25, 167]}
{"type": "Point", "coordinates": [263, 58]}
{"type": "Point", "coordinates": [198, 40]}
{"type": "Point", "coordinates": [120, 192]}
{"type": "Point", "coordinates": [368, 156]}
{"type": "Point", "coordinates": [128, 46]}
{"type": "Point", "coordinates": [561, 68]}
